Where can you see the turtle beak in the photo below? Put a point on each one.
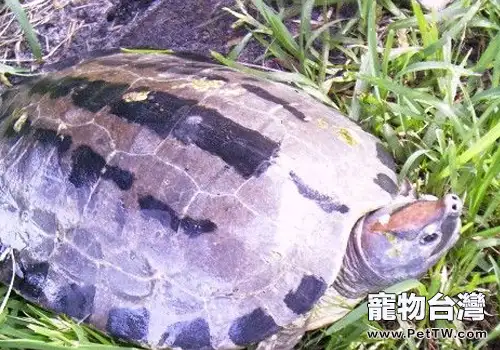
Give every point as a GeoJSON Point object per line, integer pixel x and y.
{"type": "Point", "coordinates": [413, 216]}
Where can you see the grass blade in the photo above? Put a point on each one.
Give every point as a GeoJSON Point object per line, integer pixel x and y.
{"type": "Point", "coordinates": [26, 26]}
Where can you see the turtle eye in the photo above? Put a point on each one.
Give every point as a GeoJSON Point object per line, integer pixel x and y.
{"type": "Point", "coordinates": [429, 238]}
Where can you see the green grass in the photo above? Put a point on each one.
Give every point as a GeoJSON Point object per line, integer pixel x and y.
{"type": "Point", "coordinates": [29, 34]}
{"type": "Point", "coordinates": [428, 85]}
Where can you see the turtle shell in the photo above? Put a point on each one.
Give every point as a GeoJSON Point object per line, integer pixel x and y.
{"type": "Point", "coordinates": [173, 202]}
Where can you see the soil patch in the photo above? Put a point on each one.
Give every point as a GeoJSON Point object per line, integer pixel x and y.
{"type": "Point", "coordinates": [78, 28]}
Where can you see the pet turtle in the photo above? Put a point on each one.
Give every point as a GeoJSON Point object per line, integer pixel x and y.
{"type": "Point", "coordinates": [177, 203]}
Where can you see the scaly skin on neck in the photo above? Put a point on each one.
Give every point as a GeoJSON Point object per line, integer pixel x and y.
{"type": "Point", "coordinates": [346, 292]}
{"type": "Point", "coordinates": [355, 279]}
{"type": "Point", "coordinates": [331, 307]}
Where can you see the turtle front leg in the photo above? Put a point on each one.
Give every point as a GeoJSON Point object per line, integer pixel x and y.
{"type": "Point", "coordinates": [331, 307]}
{"type": "Point", "coordinates": [287, 337]}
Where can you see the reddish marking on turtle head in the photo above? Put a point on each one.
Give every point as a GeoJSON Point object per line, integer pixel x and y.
{"type": "Point", "coordinates": [411, 217]}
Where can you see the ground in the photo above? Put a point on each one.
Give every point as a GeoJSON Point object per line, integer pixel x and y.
{"type": "Point", "coordinates": [78, 28]}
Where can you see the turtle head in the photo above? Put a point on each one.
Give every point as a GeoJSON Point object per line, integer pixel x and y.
{"type": "Point", "coordinates": [399, 241]}
{"type": "Point", "coordinates": [405, 240]}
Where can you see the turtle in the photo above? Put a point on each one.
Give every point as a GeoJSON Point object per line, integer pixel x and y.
{"type": "Point", "coordinates": [176, 203]}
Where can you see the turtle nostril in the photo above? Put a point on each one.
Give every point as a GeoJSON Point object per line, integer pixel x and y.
{"type": "Point", "coordinates": [453, 203]}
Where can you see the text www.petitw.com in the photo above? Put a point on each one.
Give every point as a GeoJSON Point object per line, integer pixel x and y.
{"type": "Point", "coordinates": [427, 334]}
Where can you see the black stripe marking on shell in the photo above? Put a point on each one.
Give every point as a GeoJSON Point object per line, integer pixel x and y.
{"type": "Point", "coordinates": [87, 166]}
{"type": "Point", "coordinates": [386, 183]}
{"type": "Point", "coordinates": [252, 327]}
{"type": "Point", "coordinates": [90, 95]}
{"type": "Point", "coordinates": [325, 202]}
{"type": "Point", "coordinates": [65, 86]}
{"type": "Point", "coordinates": [75, 301]}
{"type": "Point", "coordinates": [193, 56]}
{"type": "Point", "coordinates": [122, 178]}
{"type": "Point", "coordinates": [269, 97]}
{"type": "Point", "coordinates": [384, 157]}
{"type": "Point", "coordinates": [307, 294]}
{"type": "Point", "coordinates": [42, 86]}
{"type": "Point", "coordinates": [97, 94]}
{"type": "Point", "coordinates": [154, 208]}
{"type": "Point", "coordinates": [51, 138]}
{"type": "Point", "coordinates": [6, 97]}
{"type": "Point", "coordinates": [179, 68]}
{"type": "Point", "coordinates": [113, 61]}
{"type": "Point", "coordinates": [190, 335]}
{"type": "Point", "coordinates": [33, 280]}
{"type": "Point", "coordinates": [159, 112]}
{"type": "Point", "coordinates": [246, 150]}
{"type": "Point", "coordinates": [211, 76]}
{"type": "Point", "coordinates": [128, 324]}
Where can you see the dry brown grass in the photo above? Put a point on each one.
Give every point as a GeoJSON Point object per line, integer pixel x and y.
{"type": "Point", "coordinates": [43, 16]}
